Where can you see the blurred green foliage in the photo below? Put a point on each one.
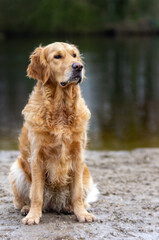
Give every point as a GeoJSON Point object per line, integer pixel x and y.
{"type": "Point", "coordinates": [41, 16]}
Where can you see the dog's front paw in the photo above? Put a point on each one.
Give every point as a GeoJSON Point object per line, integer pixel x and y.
{"type": "Point", "coordinates": [31, 219]}
{"type": "Point", "coordinates": [86, 217]}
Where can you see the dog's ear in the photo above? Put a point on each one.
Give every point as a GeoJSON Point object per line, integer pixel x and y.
{"type": "Point", "coordinates": [38, 67]}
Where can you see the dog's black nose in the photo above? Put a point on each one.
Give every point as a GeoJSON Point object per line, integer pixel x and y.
{"type": "Point", "coordinates": [77, 66]}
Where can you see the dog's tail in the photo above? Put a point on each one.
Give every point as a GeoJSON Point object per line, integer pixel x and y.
{"type": "Point", "coordinates": [93, 194]}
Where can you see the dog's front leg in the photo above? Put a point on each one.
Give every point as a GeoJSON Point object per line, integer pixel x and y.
{"type": "Point", "coordinates": [76, 195]}
{"type": "Point", "coordinates": [36, 194]}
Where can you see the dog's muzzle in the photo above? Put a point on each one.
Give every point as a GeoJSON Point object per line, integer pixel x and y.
{"type": "Point", "coordinates": [76, 76]}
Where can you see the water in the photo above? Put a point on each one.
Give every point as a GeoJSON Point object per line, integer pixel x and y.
{"type": "Point", "coordinates": [121, 89]}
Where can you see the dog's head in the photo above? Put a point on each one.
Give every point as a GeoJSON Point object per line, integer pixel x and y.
{"type": "Point", "coordinates": [61, 62]}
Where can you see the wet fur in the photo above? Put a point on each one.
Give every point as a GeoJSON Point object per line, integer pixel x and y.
{"type": "Point", "coordinates": [50, 173]}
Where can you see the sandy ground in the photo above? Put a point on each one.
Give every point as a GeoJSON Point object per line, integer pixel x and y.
{"type": "Point", "coordinates": [128, 205]}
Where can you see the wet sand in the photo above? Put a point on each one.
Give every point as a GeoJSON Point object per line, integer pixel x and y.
{"type": "Point", "coordinates": [128, 205]}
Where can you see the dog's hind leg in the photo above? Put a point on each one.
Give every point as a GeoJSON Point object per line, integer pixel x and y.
{"type": "Point", "coordinates": [18, 200]}
{"type": "Point", "coordinates": [20, 185]}
{"type": "Point", "coordinates": [25, 209]}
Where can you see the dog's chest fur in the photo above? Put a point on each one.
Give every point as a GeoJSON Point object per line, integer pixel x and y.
{"type": "Point", "coordinates": [58, 130]}
{"type": "Point", "coordinates": [59, 156]}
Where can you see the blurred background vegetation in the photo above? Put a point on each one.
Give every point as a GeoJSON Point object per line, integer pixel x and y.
{"type": "Point", "coordinates": [79, 16]}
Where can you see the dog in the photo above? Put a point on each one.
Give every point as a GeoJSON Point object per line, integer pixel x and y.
{"type": "Point", "coordinates": [50, 173]}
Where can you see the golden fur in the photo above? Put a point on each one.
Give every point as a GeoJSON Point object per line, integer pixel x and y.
{"type": "Point", "coordinates": [51, 173]}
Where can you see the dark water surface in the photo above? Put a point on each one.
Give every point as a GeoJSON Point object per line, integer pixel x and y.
{"type": "Point", "coordinates": [121, 89]}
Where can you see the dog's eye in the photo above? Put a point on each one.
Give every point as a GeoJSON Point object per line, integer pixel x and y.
{"type": "Point", "coordinates": [74, 55]}
{"type": "Point", "coordinates": [57, 56]}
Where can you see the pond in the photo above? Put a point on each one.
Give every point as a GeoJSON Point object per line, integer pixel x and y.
{"type": "Point", "coordinates": [121, 89]}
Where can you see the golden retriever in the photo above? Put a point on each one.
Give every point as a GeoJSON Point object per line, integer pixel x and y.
{"type": "Point", "coordinates": [50, 173]}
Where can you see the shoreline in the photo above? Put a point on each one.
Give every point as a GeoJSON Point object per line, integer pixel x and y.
{"type": "Point", "coordinates": [127, 208]}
